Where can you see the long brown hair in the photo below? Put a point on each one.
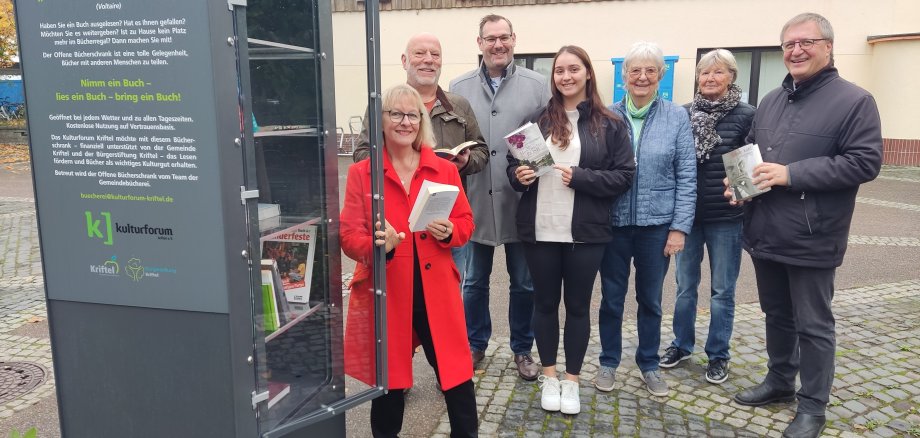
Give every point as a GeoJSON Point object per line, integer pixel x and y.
{"type": "Point", "coordinates": [554, 119]}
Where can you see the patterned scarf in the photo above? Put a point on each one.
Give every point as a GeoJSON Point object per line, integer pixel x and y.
{"type": "Point", "coordinates": [704, 114]}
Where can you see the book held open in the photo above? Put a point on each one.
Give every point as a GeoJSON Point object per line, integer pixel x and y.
{"type": "Point", "coordinates": [434, 201]}
{"type": "Point", "coordinates": [739, 168]}
{"type": "Point", "coordinates": [528, 145]}
{"type": "Point", "coordinates": [450, 153]}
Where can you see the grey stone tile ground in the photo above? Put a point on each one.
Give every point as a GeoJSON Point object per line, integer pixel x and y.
{"type": "Point", "coordinates": [876, 391]}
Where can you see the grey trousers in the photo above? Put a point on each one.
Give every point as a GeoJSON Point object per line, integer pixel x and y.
{"type": "Point", "coordinates": [800, 330]}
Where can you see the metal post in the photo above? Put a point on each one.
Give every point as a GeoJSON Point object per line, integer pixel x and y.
{"type": "Point", "coordinates": [374, 110]}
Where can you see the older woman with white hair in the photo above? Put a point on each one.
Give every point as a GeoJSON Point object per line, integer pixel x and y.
{"type": "Point", "coordinates": [651, 220]}
{"type": "Point", "coordinates": [720, 122]}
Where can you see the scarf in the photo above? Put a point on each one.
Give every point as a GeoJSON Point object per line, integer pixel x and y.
{"type": "Point", "coordinates": [637, 117]}
{"type": "Point", "coordinates": [704, 114]}
{"type": "Point", "coordinates": [638, 113]}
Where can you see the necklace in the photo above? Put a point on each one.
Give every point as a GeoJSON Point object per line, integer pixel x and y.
{"type": "Point", "coordinates": [405, 175]}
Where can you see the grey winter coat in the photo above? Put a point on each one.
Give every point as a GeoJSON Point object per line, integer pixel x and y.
{"type": "Point", "coordinates": [494, 202]}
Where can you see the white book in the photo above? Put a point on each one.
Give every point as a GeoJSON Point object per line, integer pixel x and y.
{"type": "Point", "coordinates": [434, 201]}
{"type": "Point", "coordinates": [528, 145]}
{"type": "Point", "coordinates": [739, 168]}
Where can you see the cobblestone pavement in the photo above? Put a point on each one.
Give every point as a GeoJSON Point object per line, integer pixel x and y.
{"type": "Point", "coordinates": [22, 298]}
{"type": "Point", "coordinates": [876, 391]}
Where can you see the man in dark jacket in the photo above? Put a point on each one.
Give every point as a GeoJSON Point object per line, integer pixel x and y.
{"type": "Point", "coordinates": [820, 137]}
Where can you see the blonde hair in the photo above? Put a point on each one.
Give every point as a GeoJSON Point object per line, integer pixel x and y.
{"type": "Point", "coordinates": [402, 92]}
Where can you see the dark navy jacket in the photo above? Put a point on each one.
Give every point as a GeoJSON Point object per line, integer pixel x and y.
{"type": "Point", "coordinates": [711, 205]}
{"type": "Point", "coordinates": [828, 134]}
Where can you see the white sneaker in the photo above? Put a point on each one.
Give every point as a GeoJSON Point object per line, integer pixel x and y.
{"type": "Point", "coordinates": [550, 399]}
{"type": "Point", "coordinates": [570, 403]}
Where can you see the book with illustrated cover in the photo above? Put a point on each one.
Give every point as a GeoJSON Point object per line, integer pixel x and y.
{"type": "Point", "coordinates": [434, 201]}
{"type": "Point", "coordinates": [739, 168]}
{"type": "Point", "coordinates": [451, 153]}
{"type": "Point", "coordinates": [528, 145]}
{"type": "Point", "coordinates": [293, 252]}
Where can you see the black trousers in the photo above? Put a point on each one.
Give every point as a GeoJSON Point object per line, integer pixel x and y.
{"type": "Point", "coordinates": [563, 271]}
{"type": "Point", "coordinates": [800, 329]}
{"type": "Point", "coordinates": [387, 410]}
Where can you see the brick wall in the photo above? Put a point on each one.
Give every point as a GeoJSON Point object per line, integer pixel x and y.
{"type": "Point", "coordinates": [901, 152]}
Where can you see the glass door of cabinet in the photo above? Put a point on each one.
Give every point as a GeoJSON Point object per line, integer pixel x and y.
{"type": "Point", "coordinates": [291, 159]}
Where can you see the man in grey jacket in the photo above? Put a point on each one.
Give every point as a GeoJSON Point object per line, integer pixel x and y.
{"type": "Point", "coordinates": [820, 137]}
{"type": "Point", "coordinates": [502, 96]}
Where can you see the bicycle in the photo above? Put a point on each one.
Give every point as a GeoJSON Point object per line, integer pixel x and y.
{"type": "Point", "coordinates": [12, 111]}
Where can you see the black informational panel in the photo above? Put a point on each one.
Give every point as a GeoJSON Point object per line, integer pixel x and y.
{"type": "Point", "coordinates": [125, 151]}
{"type": "Point", "coordinates": [136, 146]}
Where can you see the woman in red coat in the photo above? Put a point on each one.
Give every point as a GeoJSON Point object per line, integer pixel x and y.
{"type": "Point", "coordinates": [423, 284]}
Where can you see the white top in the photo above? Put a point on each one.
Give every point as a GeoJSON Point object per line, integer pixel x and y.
{"type": "Point", "coordinates": [555, 201]}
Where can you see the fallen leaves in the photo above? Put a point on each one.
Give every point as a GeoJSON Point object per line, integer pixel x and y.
{"type": "Point", "coordinates": [13, 153]}
{"type": "Point", "coordinates": [34, 319]}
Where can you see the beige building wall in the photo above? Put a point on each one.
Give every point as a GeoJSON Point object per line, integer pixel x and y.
{"type": "Point", "coordinates": [894, 83]}
{"type": "Point", "coordinates": [606, 29]}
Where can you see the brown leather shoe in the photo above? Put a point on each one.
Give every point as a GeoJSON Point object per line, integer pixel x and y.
{"type": "Point", "coordinates": [477, 356]}
{"type": "Point", "coordinates": [527, 368]}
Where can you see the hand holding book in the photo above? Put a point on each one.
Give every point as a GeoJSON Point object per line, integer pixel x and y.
{"type": "Point", "coordinates": [525, 175]}
{"type": "Point", "coordinates": [742, 165]}
{"type": "Point", "coordinates": [440, 229]}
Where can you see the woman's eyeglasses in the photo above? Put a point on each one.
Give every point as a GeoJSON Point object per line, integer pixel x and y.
{"type": "Point", "coordinates": [397, 116]}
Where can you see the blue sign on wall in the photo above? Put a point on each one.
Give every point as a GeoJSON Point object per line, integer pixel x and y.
{"type": "Point", "coordinates": [11, 91]}
{"type": "Point", "coordinates": [665, 85]}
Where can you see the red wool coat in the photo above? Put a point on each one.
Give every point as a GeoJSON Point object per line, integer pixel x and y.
{"type": "Point", "coordinates": [440, 278]}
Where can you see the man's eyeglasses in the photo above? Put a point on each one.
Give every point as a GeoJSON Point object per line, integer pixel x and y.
{"type": "Point", "coordinates": [650, 72]}
{"type": "Point", "coordinates": [505, 39]}
{"type": "Point", "coordinates": [805, 44]}
{"type": "Point", "coordinates": [398, 116]}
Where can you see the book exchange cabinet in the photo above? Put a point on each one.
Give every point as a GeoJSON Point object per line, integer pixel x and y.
{"type": "Point", "coordinates": [187, 195]}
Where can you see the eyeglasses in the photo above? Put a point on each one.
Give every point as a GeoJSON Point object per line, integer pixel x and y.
{"type": "Point", "coordinates": [505, 39]}
{"type": "Point", "coordinates": [805, 44]}
{"type": "Point", "coordinates": [650, 72]}
{"type": "Point", "coordinates": [398, 116]}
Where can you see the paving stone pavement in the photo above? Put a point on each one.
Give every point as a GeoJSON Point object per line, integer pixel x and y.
{"type": "Point", "coordinates": [22, 298]}
{"type": "Point", "coordinates": [876, 390]}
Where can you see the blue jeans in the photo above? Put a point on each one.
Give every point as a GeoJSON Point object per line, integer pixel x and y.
{"type": "Point", "coordinates": [461, 256]}
{"type": "Point", "coordinates": [476, 297]}
{"type": "Point", "coordinates": [645, 247]}
{"type": "Point", "coordinates": [723, 243]}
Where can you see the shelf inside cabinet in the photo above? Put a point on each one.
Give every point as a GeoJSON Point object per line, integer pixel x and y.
{"type": "Point", "coordinates": [278, 131]}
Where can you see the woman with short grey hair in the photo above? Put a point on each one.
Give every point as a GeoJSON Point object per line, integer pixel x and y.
{"type": "Point", "coordinates": [720, 122]}
{"type": "Point", "coordinates": [650, 220]}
